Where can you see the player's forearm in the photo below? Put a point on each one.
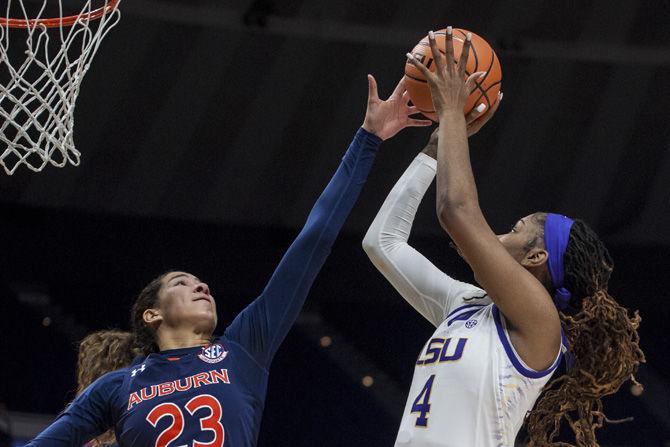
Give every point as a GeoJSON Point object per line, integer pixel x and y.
{"type": "Point", "coordinates": [394, 221]}
{"type": "Point", "coordinates": [338, 198]}
{"type": "Point", "coordinates": [63, 432]}
{"type": "Point", "coordinates": [275, 311]}
{"type": "Point", "coordinates": [309, 251]}
{"type": "Point", "coordinates": [456, 188]}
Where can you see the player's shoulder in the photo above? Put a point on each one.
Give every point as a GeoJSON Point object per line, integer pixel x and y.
{"type": "Point", "coordinates": [105, 386]}
{"type": "Point", "coordinates": [118, 376]}
{"type": "Point", "coordinates": [115, 377]}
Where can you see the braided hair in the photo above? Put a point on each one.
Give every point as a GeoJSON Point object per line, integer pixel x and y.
{"type": "Point", "coordinates": [603, 339]}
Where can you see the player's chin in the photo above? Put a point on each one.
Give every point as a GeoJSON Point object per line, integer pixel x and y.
{"type": "Point", "coordinates": [205, 321]}
{"type": "Point", "coordinates": [204, 311]}
{"type": "Point", "coordinates": [206, 314]}
{"type": "Point", "coordinates": [204, 305]}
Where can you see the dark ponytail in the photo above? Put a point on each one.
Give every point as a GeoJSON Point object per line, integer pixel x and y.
{"type": "Point", "coordinates": [144, 337]}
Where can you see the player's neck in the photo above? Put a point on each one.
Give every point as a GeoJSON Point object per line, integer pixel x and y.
{"type": "Point", "coordinates": [177, 339]}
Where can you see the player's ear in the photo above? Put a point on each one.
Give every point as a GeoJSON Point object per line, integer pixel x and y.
{"type": "Point", "coordinates": [536, 257]}
{"type": "Point", "coordinates": [152, 316]}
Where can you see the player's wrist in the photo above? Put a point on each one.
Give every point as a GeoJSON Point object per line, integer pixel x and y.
{"type": "Point", "coordinates": [430, 150]}
{"type": "Point", "coordinates": [372, 129]}
{"type": "Point", "coordinates": [451, 113]}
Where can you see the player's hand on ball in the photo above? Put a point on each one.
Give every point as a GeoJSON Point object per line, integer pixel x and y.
{"type": "Point", "coordinates": [479, 116]}
{"type": "Point", "coordinates": [475, 121]}
{"type": "Point", "coordinates": [387, 118]}
{"type": "Point", "coordinates": [448, 86]}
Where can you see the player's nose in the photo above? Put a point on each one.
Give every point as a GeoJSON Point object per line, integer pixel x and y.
{"type": "Point", "coordinates": [201, 287]}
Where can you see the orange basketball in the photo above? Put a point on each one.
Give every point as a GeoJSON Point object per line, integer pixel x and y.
{"type": "Point", "coordinates": [481, 58]}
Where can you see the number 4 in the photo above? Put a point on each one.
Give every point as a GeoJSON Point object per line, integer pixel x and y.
{"type": "Point", "coordinates": [421, 404]}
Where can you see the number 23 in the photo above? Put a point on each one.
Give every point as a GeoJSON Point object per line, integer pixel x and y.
{"type": "Point", "coordinates": [212, 422]}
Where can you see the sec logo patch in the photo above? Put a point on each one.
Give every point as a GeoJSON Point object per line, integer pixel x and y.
{"type": "Point", "coordinates": [470, 324]}
{"type": "Point", "coordinates": [213, 353]}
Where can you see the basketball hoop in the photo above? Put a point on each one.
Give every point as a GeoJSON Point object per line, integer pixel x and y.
{"type": "Point", "coordinates": [40, 81]}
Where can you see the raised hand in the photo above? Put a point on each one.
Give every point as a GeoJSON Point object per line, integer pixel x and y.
{"type": "Point", "coordinates": [478, 117]}
{"type": "Point", "coordinates": [475, 120]}
{"type": "Point", "coordinates": [448, 86]}
{"type": "Point", "coordinates": [387, 118]}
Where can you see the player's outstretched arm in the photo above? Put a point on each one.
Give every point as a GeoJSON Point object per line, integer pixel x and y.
{"type": "Point", "coordinates": [85, 418]}
{"type": "Point", "coordinates": [522, 299]}
{"type": "Point", "coordinates": [262, 326]}
{"type": "Point", "coordinates": [426, 288]}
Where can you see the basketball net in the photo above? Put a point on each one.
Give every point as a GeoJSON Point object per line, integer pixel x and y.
{"type": "Point", "coordinates": [40, 81]}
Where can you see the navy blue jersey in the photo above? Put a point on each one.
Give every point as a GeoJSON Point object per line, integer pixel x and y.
{"type": "Point", "coordinates": [214, 396]}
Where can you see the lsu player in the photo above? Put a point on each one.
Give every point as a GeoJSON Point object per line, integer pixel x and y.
{"type": "Point", "coordinates": [198, 390]}
{"type": "Point", "coordinates": [496, 347]}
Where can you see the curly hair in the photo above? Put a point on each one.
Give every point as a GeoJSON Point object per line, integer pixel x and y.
{"type": "Point", "coordinates": [603, 339]}
{"type": "Point", "coordinates": [100, 353]}
{"type": "Point", "coordinates": [105, 351]}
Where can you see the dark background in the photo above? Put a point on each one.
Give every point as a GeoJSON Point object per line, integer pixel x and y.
{"type": "Point", "coordinates": [208, 129]}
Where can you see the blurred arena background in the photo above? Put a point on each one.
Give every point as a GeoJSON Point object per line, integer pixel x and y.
{"type": "Point", "coordinates": [208, 128]}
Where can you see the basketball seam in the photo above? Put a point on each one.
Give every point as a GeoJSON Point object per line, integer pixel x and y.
{"type": "Point", "coordinates": [479, 86]}
{"type": "Point", "coordinates": [416, 79]}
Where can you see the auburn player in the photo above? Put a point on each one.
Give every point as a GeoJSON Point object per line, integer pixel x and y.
{"type": "Point", "coordinates": [496, 347]}
{"type": "Point", "coordinates": [196, 389]}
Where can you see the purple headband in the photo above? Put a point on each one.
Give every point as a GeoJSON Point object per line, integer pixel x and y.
{"type": "Point", "coordinates": [556, 236]}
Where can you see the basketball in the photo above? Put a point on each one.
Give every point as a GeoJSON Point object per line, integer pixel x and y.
{"type": "Point", "coordinates": [481, 58]}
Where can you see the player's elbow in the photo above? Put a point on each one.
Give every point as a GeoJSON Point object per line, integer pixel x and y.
{"type": "Point", "coordinates": [371, 245]}
{"type": "Point", "coordinates": [375, 248]}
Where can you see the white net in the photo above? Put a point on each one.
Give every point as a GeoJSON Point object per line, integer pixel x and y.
{"type": "Point", "coordinates": [40, 76]}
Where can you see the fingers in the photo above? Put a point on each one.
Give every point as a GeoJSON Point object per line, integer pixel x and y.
{"type": "Point", "coordinates": [400, 89]}
{"type": "Point", "coordinates": [418, 123]}
{"type": "Point", "coordinates": [406, 99]}
{"type": "Point", "coordinates": [475, 113]}
{"type": "Point", "coordinates": [419, 66]}
{"type": "Point", "coordinates": [495, 105]}
{"type": "Point", "coordinates": [490, 112]}
{"type": "Point", "coordinates": [465, 53]}
{"type": "Point", "coordinates": [449, 47]}
{"type": "Point", "coordinates": [372, 88]}
{"type": "Point", "coordinates": [412, 110]}
{"type": "Point", "coordinates": [480, 120]}
{"type": "Point", "coordinates": [437, 55]}
{"type": "Point", "coordinates": [471, 82]}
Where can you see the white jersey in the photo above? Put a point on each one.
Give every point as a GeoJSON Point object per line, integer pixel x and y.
{"type": "Point", "coordinates": [470, 388]}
